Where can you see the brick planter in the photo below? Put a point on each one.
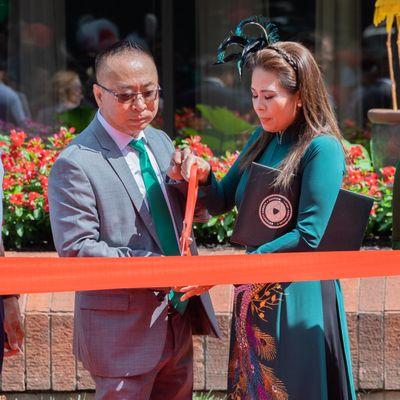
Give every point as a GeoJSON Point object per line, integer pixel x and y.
{"type": "Point", "coordinates": [47, 365]}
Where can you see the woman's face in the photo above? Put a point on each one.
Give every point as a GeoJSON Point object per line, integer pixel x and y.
{"type": "Point", "coordinates": [276, 108]}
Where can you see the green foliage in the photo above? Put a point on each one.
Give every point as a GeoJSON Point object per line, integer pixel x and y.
{"type": "Point", "coordinates": [364, 179]}
{"type": "Point", "coordinates": [79, 117]}
{"type": "Point", "coordinates": [27, 165]}
{"type": "Point", "coordinates": [396, 209]}
{"type": "Point", "coordinates": [217, 230]}
{"type": "Point", "coordinates": [223, 120]}
{"type": "Point", "coordinates": [223, 131]}
{"type": "Point", "coordinates": [364, 162]}
{"type": "Point", "coordinates": [207, 396]}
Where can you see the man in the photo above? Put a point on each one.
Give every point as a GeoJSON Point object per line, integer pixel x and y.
{"type": "Point", "coordinates": [11, 103]}
{"type": "Point", "coordinates": [108, 198]}
{"type": "Point", "coordinates": [11, 330]}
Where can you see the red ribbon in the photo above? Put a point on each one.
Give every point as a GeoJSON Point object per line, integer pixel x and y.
{"type": "Point", "coordinates": [191, 199]}
{"type": "Point", "coordinates": [32, 275]}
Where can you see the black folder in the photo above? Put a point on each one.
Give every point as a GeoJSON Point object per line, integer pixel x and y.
{"type": "Point", "coordinates": [267, 213]}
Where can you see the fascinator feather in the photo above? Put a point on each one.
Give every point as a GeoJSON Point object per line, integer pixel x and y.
{"type": "Point", "coordinates": [247, 44]}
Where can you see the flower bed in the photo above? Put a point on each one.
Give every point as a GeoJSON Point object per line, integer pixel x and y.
{"type": "Point", "coordinates": [27, 163]}
{"type": "Point", "coordinates": [360, 178]}
{"type": "Point", "coordinates": [363, 178]}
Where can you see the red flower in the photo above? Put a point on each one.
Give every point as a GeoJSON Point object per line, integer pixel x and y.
{"type": "Point", "coordinates": [388, 174]}
{"type": "Point", "coordinates": [355, 153]}
{"type": "Point", "coordinates": [349, 123]}
{"type": "Point", "coordinates": [31, 201]}
{"type": "Point", "coordinates": [44, 180]}
{"type": "Point", "coordinates": [17, 138]}
{"type": "Point", "coordinates": [17, 199]}
{"type": "Point", "coordinates": [46, 204]}
{"type": "Point", "coordinates": [202, 150]}
{"type": "Point", "coordinates": [8, 182]}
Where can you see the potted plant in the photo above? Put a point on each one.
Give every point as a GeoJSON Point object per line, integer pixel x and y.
{"type": "Point", "coordinates": [385, 141]}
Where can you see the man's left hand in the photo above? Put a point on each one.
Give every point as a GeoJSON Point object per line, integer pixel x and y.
{"type": "Point", "coordinates": [13, 326]}
{"type": "Point", "coordinates": [191, 291]}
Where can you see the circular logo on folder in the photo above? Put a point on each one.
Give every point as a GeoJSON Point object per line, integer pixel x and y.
{"type": "Point", "coordinates": [275, 211]}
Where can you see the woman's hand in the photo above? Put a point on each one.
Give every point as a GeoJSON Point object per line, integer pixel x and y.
{"type": "Point", "coordinates": [181, 164]}
{"type": "Point", "coordinates": [191, 291]}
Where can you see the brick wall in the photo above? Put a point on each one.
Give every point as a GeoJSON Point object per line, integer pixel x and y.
{"type": "Point", "coordinates": [373, 313]}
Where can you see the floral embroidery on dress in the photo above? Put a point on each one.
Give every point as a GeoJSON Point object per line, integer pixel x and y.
{"type": "Point", "coordinates": [252, 348]}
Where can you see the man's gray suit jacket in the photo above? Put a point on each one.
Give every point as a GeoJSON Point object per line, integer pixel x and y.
{"type": "Point", "coordinates": [97, 210]}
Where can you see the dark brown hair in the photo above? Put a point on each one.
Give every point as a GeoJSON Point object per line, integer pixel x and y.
{"type": "Point", "coordinates": [297, 70]}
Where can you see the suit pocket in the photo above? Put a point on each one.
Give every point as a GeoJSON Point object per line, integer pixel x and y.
{"type": "Point", "coordinates": [115, 302]}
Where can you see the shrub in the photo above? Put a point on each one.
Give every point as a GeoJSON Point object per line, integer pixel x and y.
{"type": "Point", "coordinates": [364, 179]}
{"type": "Point", "coordinates": [27, 164]}
{"type": "Point", "coordinates": [217, 230]}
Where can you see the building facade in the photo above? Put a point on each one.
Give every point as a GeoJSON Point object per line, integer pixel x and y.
{"type": "Point", "coordinates": [41, 40]}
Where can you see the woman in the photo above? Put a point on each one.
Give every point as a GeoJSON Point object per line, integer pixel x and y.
{"type": "Point", "coordinates": [66, 95]}
{"type": "Point", "coordinates": [289, 340]}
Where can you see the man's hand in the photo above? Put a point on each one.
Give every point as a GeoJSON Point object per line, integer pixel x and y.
{"type": "Point", "coordinates": [181, 164]}
{"type": "Point", "coordinates": [191, 291]}
{"type": "Point", "coordinates": [13, 326]}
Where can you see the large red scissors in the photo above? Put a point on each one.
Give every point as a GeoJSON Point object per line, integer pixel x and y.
{"type": "Point", "coordinates": [186, 237]}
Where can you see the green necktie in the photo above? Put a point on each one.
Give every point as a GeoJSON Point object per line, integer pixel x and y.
{"type": "Point", "coordinates": [160, 214]}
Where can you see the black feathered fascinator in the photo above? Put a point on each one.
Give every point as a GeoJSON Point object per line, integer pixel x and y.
{"type": "Point", "coordinates": [249, 44]}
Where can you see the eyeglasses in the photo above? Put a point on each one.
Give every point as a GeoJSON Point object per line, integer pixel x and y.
{"type": "Point", "coordinates": [148, 96]}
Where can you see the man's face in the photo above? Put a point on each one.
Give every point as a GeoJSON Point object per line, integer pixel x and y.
{"type": "Point", "coordinates": [124, 74]}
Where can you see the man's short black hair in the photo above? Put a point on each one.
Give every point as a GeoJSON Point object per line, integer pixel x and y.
{"type": "Point", "coordinates": [120, 47]}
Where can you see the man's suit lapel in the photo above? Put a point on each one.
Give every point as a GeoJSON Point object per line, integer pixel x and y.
{"type": "Point", "coordinates": [117, 161]}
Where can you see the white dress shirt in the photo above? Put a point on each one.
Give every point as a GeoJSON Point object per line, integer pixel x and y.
{"type": "Point", "coordinates": [132, 159]}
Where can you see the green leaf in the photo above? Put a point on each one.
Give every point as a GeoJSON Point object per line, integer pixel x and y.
{"type": "Point", "coordinates": [221, 234]}
{"type": "Point", "coordinates": [229, 218]}
{"type": "Point", "coordinates": [385, 226]}
{"type": "Point", "coordinates": [5, 230]}
{"type": "Point", "coordinates": [211, 222]}
{"type": "Point", "coordinates": [20, 229]}
{"type": "Point", "coordinates": [19, 211]}
{"type": "Point", "coordinates": [37, 213]}
{"type": "Point", "coordinates": [224, 120]}
{"type": "Point", "coordinates": [30, 217]}
{"type": "Point", "coordinates": [214, 142]}
{"type": "Point", "coordinates": [79, 117]}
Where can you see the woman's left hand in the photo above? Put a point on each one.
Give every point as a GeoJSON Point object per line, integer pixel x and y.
{"type": "Point", "coordinates": [191, 291]}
